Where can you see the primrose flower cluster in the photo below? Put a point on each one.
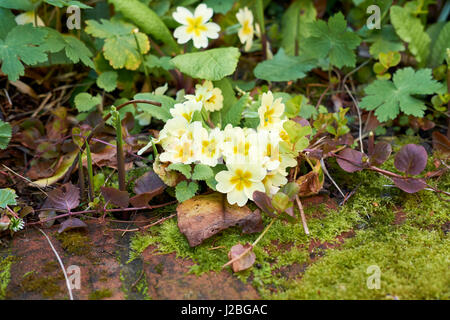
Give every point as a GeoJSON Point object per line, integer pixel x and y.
{"type": "Point", "coordinates": [252, 157]}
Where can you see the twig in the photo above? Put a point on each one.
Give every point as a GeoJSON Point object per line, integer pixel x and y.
{"type": "Point", "coordinates": [147, 226]}
{"type": "Point", "coordinates": [302, 214]}
{"type": "Point", "coordinates": [329, 176]}
{"type": "Point", "coordinates": [60, 263]}
{"type": "Point", "coordinates": [26, 179]}
{"type": "Point", "coordinates": [359, 116]}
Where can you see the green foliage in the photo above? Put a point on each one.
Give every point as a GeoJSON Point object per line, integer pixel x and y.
{"type": "Point", "coordinates": [332, 41]}
{"type": "Point", "coordinates": [388, 98]}
{"type": "Point", "coordinates": [123, 44]}
{"type": "Point", "coordinates": [213, 64]}
{"type": "Point", "coordinates": [146, 19]}
{"type": "Point", "coordinates": [7, 22]}
{"type": "Point", "coordinates": [107, 81]}
{"type": "Point", "coordinates": [22, 45]}
{"type": "Point", "coordinates": [185, 169]}
{"type": "Point", "coordinates": [234, 114]}
{"type": "Point", "coordinates": [7, 197]}
{"type": "Point", "coordinates": [283, 68]}
{"type": "Point", "coordinates": [161, 113]}
{"type": "Point", "coordinates": [5, 134]}
{"type": "Point", "coordinates": [438, 51]}
{"type": "Point", "coordinates": [84, 102]}
{"type": "Point", "coordinates": [220, 6]}
{"type": "Point", "coordinates": [202, 172]}
{"type": "Point", "coordinates": [384, 41]}
{"type": "Point", "coordinates": [67, 3]}
{"type": "Point", "coordinates": [185, 191]}
{"type": "Point", "coordinates": [411, 30]}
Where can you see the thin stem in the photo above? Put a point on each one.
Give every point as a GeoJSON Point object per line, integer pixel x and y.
{"type": "Point", "coordinates": [81, 181]}
{"type": "Point", "coordinates": [302, 214]}
{"type": "Point", "coordinates": [359, 117]}
{"type": "Point", "coordinates": [90, 172]}
{"type": "Point", "coordinates": [119, 153]}
{"type": "Point", "coordinates": [324, 168]}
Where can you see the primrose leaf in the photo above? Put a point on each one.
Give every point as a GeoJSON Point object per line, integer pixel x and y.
{"type": "Point", "coordinates": [220, 6]}
{"type": "Point", "coordinates": [213, 64]}
{"type": "Point", "coordinates": [107, 81]}
{"type": "Point", "coordinates": [121, 48]}
{"type": "Point", "coordinates": [283, 68]}
{"type": "Point", "coordinates": [5, 134]}
{"type": "Point", "coordinates": [411, 30]}
{"type": "Point", "coordinates": [388, 98]}
{"type": "Point", "coordinates": [440, 46]}
{"type": "Point", "coordinates": [146, 19]}
{"type": "Point", "coordinates": [84, 102]}
{"type": "Point", "coordinates": [202, 172]}
{"type": "Point", "coordinates": [332, 40]}
{"type": "Point", "coordinates": [22, 45]}
{"type": "Point", "coordinates": [233, 115]}
{"type": "Point", "coordinates": [7, 197]}
{"type": "Point", "coordinates": [185, 191]}
{"type": "Point", "coordinates": [185, 169]}
{"type": "Point", "coordinates": [161, 113]}
{"type": "Point", "coordinates": [411, 159]}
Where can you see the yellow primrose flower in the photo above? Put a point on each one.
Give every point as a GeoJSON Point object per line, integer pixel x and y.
{"type": "Point", "coordinates": [211, 97]}
{"type": "Point", "coordinates": [274, 180]}
{"type": "Point", "coordinates": [240, 145]}
{"type": "Point", "coordinates": [195, 26]}
{"type": "Point", "coordinates": [207, 146]}
{"type": "Point", "coordinates": [29, 17]}
{"type": "Point", "coordinates": [186, 109]}
{"type": "Point", "coordinates": [270, 111]}
{"type": "Point", "coordinates": [245, 33]}
{"type": "Point", "coordinates": [240, 181]}
{"type": "Point", "coordinates": [181, 151]}
{"type": "Point", "coordinates": [268, 142]}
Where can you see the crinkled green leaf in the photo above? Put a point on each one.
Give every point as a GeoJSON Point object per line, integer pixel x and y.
{"type": "Point", "coordinates": [439, 49]}
{"type": "Point", "coordinates": [21, 45]}
{"type": "Point", "coordinates": [332, 40]}
{"type": "Point", "coordinates": [388, 98]}
{"type": "Point", "coordinates": [213, 64]}
{"type": "Point", "coordinates": [234, 114]}
{"type": "Point", "coordinates": [7, 197]}
{"type": "Point", "coordinates": [77, 51]}
{"type": "Point", "coordinates": [161, 113]}
{"type": "Point", "coordinates": [185, 191]}
{"type": "Point", "coordinates": [411, 30]}
{"type": "Point", "coordinates": [7, 22]}
{"type": "Point", "coordinates": [5, 134]}
{"type": "Point", "coordinates": [120, 48]}
{"type": "Point", "coordinates": [153, 61]}
{"type": "Point", "coordinates": [283, 68]}
{"type": "Point", "coordinates": [185, 169]}
{"type": "Point", "coordinates": [85, 102]}
{"type": "Point", "coordinates": [202, 172]}
{"type": "Point", "coordinates": [107, 81]}
{"type": "Point", "coordinates": [146, 19]}
{"type": "Point", "coordinates": [384, 41]}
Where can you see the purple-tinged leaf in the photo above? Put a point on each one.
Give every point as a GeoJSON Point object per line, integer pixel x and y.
{"type": "Point", "coordinates": [66, 197]}
{"type": "Point", "coordinates": [142, 200]}
{"type": "Point", "coordinates": [246, 261]}
{"type": "Point", "coordinates": [380, 153]}
{"type": "Point", "coordinates": [115, 196]}
{"type": "Point", "coordinates": [350, 160]}
{"type": "Point", "coordinates": [411, 159]}
{"type": "Point", "coordinates": [71, 223]}
{"type": "Point", "coordinates": [441, 143]}
{"type": "Point", "coordinates": [149, 182]}
{"type": "Point", "coordinates": [410, 185]}
{"type": "Point", "coordinates": [263, 201]}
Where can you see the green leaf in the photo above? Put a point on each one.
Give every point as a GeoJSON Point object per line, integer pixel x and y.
{"type": "Point", "coordinates": [283, 68]}
{"type": "Point", "coordinates": [220, 6]}
{"type": "Point", "coordinates": [25, 5]}
{"type": "Point", "coordinates": [67, 3]}
{"type": "Point", "coordinates": [185, 169]}
{"type": "Point", "coordinates": [332, 40]}
{"type": "Point", "coordinates": [234, 114]}
{"type": "Point", "coordinates": [213, 64]}
{"type": "Point", "coordinates": [438, 52]}
{"type": "Point", "coordinates": [77, 51]}
{"type": "Point", "coordinates": [185, 191]}
{"type": "Point", "coordinates": [411, 30]}
{"type": "Point", "coordinates": [84, 102]}
{"type": "Point", "coordinates": [161, 113]}
{"type": "Point", "coordinates": [21, 45]}
{"type": "Point", "coordinates": [7, 22]}
{"type": "Point", "coordinates": [7, 197]}
{"type": "Point", "coordinates": [153, 61]}
{"type": "Point", "coordinates": [388, 98]}
{"type": "Point", "coordinates": [384, 41]}
{"type": "Point", "coordinates": [107, 81]}
{"type": "Point", "coordinates": [294, 24]}
{"type": "Point", "coordinates": [202, 172]}
{"type": "Point", "coordinates": [120, 48]}
{"type": "Point", "coordinates": [5, 134]}
{"type": "Point", "coordinates": [146, 19]}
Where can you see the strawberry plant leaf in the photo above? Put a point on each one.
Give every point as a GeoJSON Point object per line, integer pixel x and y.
{"type": "Point", "coordinates": [84, 102]}
{"type": "Point", "coordinates": [332, 40]}
{"type": "Point", "coordinates": [185, 169]}
{"type": "Point", "coordinates": [388, 98]}
{"type": "Point", "coordinates": [120, 48]}
{"type": "Point", "coordinates": [185, 191]}
{"type": "Point", "coordinates": [213, 64]}
{"type": "Point", "coordinates": [5, 134]}
{"type": "Point", "coordinates": [7, 197]}
{"type": "Point", "coordinates": [411, 159]}
{"type": "Point", "coordinates": [202, 172]}
{"type": "Point", "coordinates": [22, 45]}
{"type": "Point", "coordinates": [108, 80]}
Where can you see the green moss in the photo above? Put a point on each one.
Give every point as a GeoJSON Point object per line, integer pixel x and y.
{"type": "Point", "coordinates": [100, 294]}
{"type": "Point", "coordinates": [47, 285]}
{"type": "Point", "coordinates": [5, 274]}
{"type": "Point", "coordinates": [74, 242]}
{"type": "Point", "coordinates": [413, 264]}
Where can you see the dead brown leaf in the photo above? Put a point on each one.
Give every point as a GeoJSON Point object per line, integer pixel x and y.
{"type": "Point", "coordinates": [246, 261]}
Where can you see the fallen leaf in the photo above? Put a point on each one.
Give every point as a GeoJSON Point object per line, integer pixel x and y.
{"type": "Point", "coordinates": [66, 197]}
{"type": "Point", "coordinates": [71, 223]}
{"type": "Point", "coordinates": [115, 196]}
{"type": "Point", "coordinates": [441, 143]}
{"type": "Point", "coordinates": [312, 182]}
{"type": "Point", "coordinates": [43, 215]}
{"type": "Point", "coordinates": [205, 215]}
{"type": "Point", "coordinates": [59, 173]}
{"type": "Point", "coordinates": [246, 261]}
{"type": "Point", "coordinates": [147, 187]}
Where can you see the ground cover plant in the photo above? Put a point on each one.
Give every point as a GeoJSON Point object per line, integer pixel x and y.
{"type": "Point", "coordinates": [218, 122]}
